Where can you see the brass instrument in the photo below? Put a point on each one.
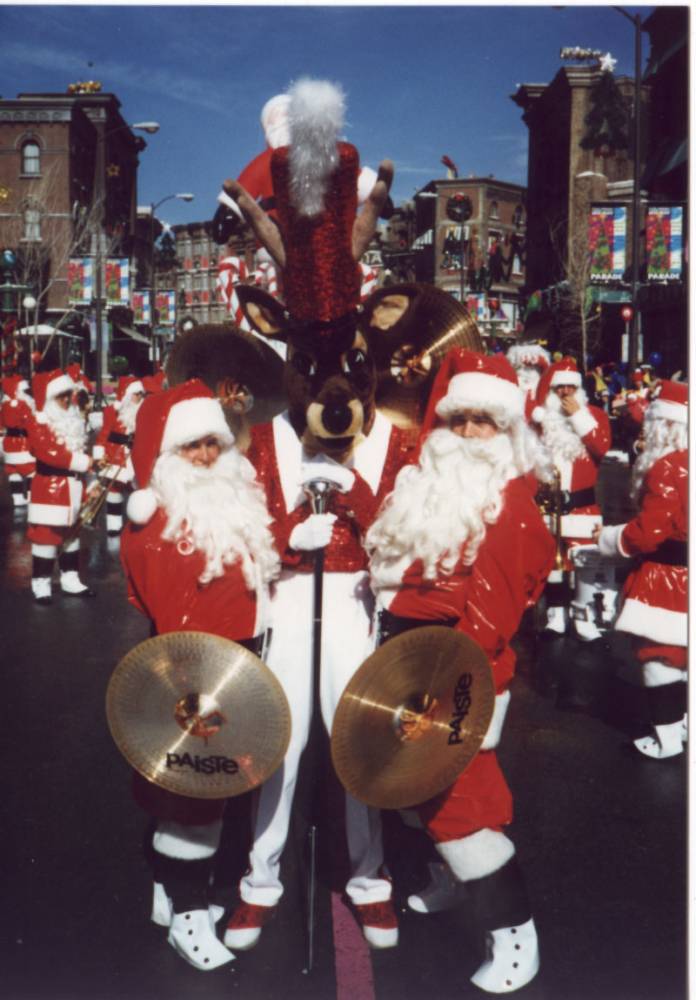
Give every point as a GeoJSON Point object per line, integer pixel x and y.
{"type": "Point", "coordinates": [550, 503]}
{"type": "Point", "coordinates": [92, 504]}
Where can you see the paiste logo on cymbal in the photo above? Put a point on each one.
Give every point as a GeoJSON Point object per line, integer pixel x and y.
{"type": "Point", "coordinates": [462, 704]}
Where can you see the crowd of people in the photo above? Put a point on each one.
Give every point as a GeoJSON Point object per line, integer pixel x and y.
{"type": "Point", "coordinates": [492, 510]}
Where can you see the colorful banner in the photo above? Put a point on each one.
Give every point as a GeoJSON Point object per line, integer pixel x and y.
{"type": "Point", "coordinates": [116, 282]}
{"type": "Point", "coordinates": [165, 303]}
{"type": "Point", "coordinates": [140, 304]}
{"type": "Point", "coordinates": [80, 281]}
{"type": "Point", "coordinates": [476, 304]}
{"type": "Point", "coordinates": [607, 242]}
{"type": "Point", "coordinates": [664, 243]}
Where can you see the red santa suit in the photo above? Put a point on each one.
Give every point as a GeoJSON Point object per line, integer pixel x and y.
{"type": "Point", "coordinates": [113, 445]}
{"type": "Point", "coordinates": [167, 581]}
{"type": "Point", "coordinates": [282, 467]}
{"type": "Point", "coordinates": [16, 413]}
{"type": "Point", "coordinates": [654, 600]}
{"type": "Point", "coordinates": [485, 599]}
{"type": "Point", "coordinates": [581, 513]}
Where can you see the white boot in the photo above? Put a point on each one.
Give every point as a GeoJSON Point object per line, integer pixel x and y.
{"type": "Point", "coordinates": [666, 741]}
{"type": "Point", "coordinates": [513, 959]}
{"type": "Point", "coordinates": [193, 935]}
{"type": "Point", "coordinates": [162, 909]}
{"type": "Point", "coordinates": [443, 892]}
{"type": "Point", "coordinates": [557, 619]}
{"type": "Point", "coordinates": [41, 589]}
{"type": "Point", "coordinates": [70, 583]}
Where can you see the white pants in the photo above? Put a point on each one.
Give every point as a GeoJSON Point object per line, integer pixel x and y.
{"type": "Point", "coordinates": [346, 643]}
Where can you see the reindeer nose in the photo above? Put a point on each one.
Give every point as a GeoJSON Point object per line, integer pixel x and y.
{"type": "Point", "coordinates": [336, 417]}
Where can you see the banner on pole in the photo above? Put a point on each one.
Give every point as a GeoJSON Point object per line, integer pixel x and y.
{"type": "Point", "coordinates": [607, 242]}
{"type": "Point", "coordinates": [140, 304]}
{"type": "Point", "coordinates": [165, 304]}
{"type": "Point", "coordinates": [80, 281]}
{"type": "Point", "coordinates": [664, 242]}
{"type": "Point", "coordinates": [116, 281]}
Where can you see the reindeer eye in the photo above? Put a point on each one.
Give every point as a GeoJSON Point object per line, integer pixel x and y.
{"type": "Point", "coordinates": [303, 364]}
{"type": "Point", "coordinates": [354, 360]}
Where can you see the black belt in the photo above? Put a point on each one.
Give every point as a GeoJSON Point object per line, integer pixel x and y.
{"type": "Point", "coordinates": [116, 438]}
{"type": "Point", "coordinates": [392, 625]}
{"type": "Point", "coordinates": [577, 498]}
{"type": "Point", "coordinates": [15, 432]}
{"type": "Point", "coordinates": [671, 553]}
{"type": "Point", "coordinates": [51, 470]}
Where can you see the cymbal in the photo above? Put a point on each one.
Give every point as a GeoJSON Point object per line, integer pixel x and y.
{"type": "Point", "coordinates": [198, 715]}
{"type": "Point", "coordinates": [409, 351]}
{"type": "Point", "coordinates": [412, 717]}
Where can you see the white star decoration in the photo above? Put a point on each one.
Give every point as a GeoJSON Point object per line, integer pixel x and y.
{"type": "Point", "coordinates": [607, 63]}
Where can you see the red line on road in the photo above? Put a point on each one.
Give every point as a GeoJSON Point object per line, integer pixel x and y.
{"type": "Point", "coordinates": [354, 980]}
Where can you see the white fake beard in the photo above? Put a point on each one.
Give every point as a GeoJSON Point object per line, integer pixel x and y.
{"type": "Point", "coordinates": [220, 511]}
{"type": "Point", "coordinates": [439, 509]}
{"type": "Point", "coordinates": [528, 378]}
{"type": "Point", "coordinates": [66, 424]}
{"type": "Point", "coordinates": [661, 437]}
{"type": "Point", "coordinates": [558, 433]}
{"type": "Point", "coordinates": [128, 413]}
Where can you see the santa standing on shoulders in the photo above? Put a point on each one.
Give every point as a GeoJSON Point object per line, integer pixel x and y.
{"type": "Point", "coordinates": [16, 414]}
{"type": "Point", "coordinates": [654, 601]}
{"type": "Point", "coordinates": [57, 439]}
{"type": "Point", "coordinates": [113, 444]}
{"type": "Point", "coordinates": [530, 361]}
{"type": "Point", "coordinates": [577, 436]}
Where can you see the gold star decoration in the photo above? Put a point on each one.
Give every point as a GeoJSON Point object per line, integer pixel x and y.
{"type": "Point", "coordinates": [113, 170]}
{"type": "Point", "coordinates": [4, 193]}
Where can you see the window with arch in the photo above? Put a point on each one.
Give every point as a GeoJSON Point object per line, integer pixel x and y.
{"type": "Point", "coordinates": [32, 224]}
{"type": "Point", "coordinates": [31, 158]}
{"type": "Point", "coordinates": [493, 210]}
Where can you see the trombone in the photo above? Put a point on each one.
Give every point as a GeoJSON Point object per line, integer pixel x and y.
{"type": "Point", "coordinates": [551, 505]}
{"type": "Point", "coordinates": [92, 504]}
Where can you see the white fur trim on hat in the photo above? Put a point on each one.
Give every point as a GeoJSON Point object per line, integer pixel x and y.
{"type": "Point", "coordinates": [57, 385]}
{"type": "Point", "coordinates": [136, 386]}
{"type": "Point", "coordinates": [565, 376]}
{"type": "Point", "coordinates": [480, 391]}
{"type": "Point", "coordinates": [192, 419]}
{"type": "Point", "coordinates": [141, 506]}
{"type": "Point", "coordinates": [668, 410]}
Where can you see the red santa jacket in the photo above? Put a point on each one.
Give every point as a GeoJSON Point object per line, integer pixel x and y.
{"type": "Point", "coordinates": [114, 443]}
{"type": "Point", "coordinates": [276, 454]}
{"type": "Point", "coordinates": [489, 597]}
{"type": "Point", "coordinates": [163, 584]}
{"type": "Point", "coordinates": [16, 415]}
{"type": "Point", "coordinates": [56, 489]}
{"type": "Point", "coordinates": [655, 595]}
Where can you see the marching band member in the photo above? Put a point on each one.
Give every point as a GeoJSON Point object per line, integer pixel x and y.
{"type": "Point", "coordinates": [16, 413]}
{"type": "Point", "coordinates": [113, 445]}
{"type": "Point", "coordinates": [461, 542]}
{"type": "Point", "coordinates": [577, 436]}
{"type": "Point", "coordinates": [654, 601]}
{"type": "Point", "coordinates": [198, 555]}
{"type": "Point", "coordinates": [57, 440]}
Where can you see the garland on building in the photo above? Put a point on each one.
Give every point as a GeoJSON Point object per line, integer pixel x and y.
{"type": "Point", "coordinates": [607, 120]}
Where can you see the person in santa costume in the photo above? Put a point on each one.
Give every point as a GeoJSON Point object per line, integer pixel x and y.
{"type": "Point", "coordinates": [112, 447]}
{"type": "Point", "coordinates": [16, 414]}
{"type": "Point", "coordinates": [198, 555]}
{"type": "Point", "coordinates": [57, 439]}
{"type": "Point", "coordinates": [530, 361]}
{"type": "Point", "coordinates": [654, 600]}
{"type": "Point", "coordinates": [577, 436]}
{"type": "Point", "coordinates": [331, 431]}
{"type": "Point", "coordinates": [460, 542]}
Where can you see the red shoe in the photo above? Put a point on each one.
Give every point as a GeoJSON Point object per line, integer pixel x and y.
{"type": "Point", "coordinates": [379, 924]}
{"type": "Point", "coordinates": [245, 925]}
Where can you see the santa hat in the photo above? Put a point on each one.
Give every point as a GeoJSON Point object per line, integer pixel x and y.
{"type": "Point", "coordinates": [563, 372]}
{"type": "Point", "coordinates": [468, 380]}
{"type": "Point", "coordinates": [127, 385]}
{"type": "Point", "coordinates": [153, 383]}
{"type": "Point", "coordinates": [166, 421]}
{"type": "Point", "coordinates": [10, 385]}
{"type": "Point", "coordinates": [48, 385]}
{"type": "Point", "coordinates": [532, 355]}
{"type": "Point", "coordinates": [670, 401]}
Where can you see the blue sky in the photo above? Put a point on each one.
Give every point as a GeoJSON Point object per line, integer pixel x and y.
{"type": "Point", "coordinates": [421, 81]}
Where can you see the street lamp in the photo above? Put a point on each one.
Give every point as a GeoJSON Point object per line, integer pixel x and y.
{"type": "Point", "coordinates": [182, 196]}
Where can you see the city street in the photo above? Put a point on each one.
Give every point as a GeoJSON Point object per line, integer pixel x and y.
{"type": "Point", "coordinates": [600, 832]}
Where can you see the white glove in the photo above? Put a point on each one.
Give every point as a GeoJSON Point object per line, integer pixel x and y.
{"type": "Point", "coordinates": [322, 467]}
{"type": "Point", "coordinates": [314, 533]}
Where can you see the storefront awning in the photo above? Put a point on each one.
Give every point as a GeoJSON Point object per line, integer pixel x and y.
{"type": "Point", "coordinates": [134, 334]}
{"type": "Point", "coordinates": [44, 330]}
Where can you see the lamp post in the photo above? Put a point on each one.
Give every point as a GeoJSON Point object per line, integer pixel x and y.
{"type": "Point", "coordinates": [97, 236]}
{"type": "Point", "coordinates": [634, 334]}
{"type": "Point", "coordinates": [184, 196]}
